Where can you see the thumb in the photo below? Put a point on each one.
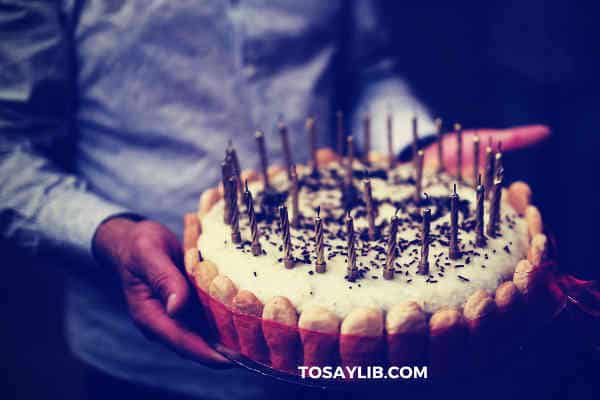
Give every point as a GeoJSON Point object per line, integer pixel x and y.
{"type": "Point", "coordinates": [165, 279]}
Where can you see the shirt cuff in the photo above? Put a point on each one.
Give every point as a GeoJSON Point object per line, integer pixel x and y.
{"type": "Point", "coordinates": [72, 217]}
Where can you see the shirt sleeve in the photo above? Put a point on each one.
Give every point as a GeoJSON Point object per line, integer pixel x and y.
{"type": "Point", "coordinates": [41, 202]}
{"type": "Point", "coordinates": [381, 90]}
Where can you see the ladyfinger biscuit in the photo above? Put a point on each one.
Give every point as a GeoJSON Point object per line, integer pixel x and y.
{"type": "Point", "coordinates": [245, 302]}
{"type": "Point", "coordinates": [247, 313]}
{"type": "Point", "coordinates": [191, 231]}
{"type": "Point", "coordinates": [511, 312]}
{"type": "Point", "coordinates": [532, 281]}
{"type": "Point", "coordinates": [537, 249]}
{"type": "Point", "coordinates": [407, 334]}
{"type": "Point", "coordinates": [319, 332]}
{"type": "Point", "coordinates": [481, 317]}
{"type": "Point", "coordinates": [508, 298]}
{"type": "Point", "coordinates": [222, 291]}
{"type": "Point", "coordinates": [527, 277]}
{"type": "Point", "coordinates": [280, 327]}
{"type": "Point", "coordinates": [191, 261]}
{"type": "Point", "coordinates": [519, 196]}
{"type": "Point", "coordinates": [202, 276]}
{"type": "Point", "coordinates": [447, 342]}
{"type": "Point", "coordinates": [361, 338]}
{"type": "Point", "coordinates": [204, 273]}
{"type": "Point", "coordinates": [479, 310]}
{"type": "Point", "coordinates": [534, 221]}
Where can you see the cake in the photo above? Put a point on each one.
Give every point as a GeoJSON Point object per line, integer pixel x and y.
{"type": "Point", "coordinates": [372, 300]}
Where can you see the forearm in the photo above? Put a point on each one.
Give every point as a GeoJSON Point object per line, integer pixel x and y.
{"type": "Point", "coordinates": [41, 205]}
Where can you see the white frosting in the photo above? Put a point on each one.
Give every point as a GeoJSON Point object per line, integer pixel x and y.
{"type": "Point", "coordinates": [267, 277]}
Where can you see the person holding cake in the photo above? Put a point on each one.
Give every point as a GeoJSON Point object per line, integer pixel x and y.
{"type": "Point", "coordinates": [114, 118]}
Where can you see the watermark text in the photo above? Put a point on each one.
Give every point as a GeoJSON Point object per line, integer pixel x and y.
{"type": "Point", "coordinates": [368, 372]}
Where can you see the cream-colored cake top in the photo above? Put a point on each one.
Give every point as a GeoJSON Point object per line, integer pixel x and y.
{"type": "Point", "coordinates": [449, 283]}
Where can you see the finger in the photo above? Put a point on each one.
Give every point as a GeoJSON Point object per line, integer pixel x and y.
{"type": "Point", "coordinates": [511, 139]}
{"type": "Point", "coordinates": [155, 264]}
{"type": "Point", "coordinates": [174, 250]}
{"type": "Point", "coordinates": [149, 314]}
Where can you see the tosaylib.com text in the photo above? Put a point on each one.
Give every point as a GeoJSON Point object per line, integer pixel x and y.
{"type": "Point", "coordinates": [363, 372]}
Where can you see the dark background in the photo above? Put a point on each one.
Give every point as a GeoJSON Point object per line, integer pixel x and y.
{"type": "Point", "coordinates": [487, 64]}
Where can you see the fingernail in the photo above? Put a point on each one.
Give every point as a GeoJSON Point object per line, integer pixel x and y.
{"type": "Point", "coordinates": [171, 303]}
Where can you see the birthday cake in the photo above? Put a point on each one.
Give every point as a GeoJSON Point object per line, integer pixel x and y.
{"type": "Point", "coordinates": [363, 262]}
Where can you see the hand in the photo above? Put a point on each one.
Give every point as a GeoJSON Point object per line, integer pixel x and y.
{"type": "Point", "coordinates": [145, 255]}
{"type": "Point", "coordinates": [511, 138]}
